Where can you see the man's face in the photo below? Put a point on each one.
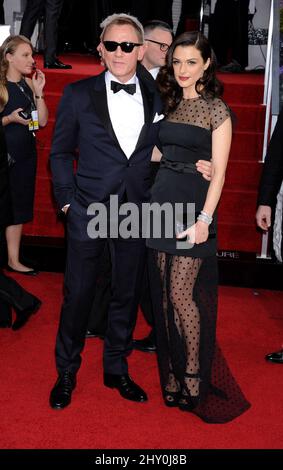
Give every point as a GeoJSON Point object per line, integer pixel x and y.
{"type": "Point", "coordinates": [122, 64]}
{"type": "Point", "coordinates": [155, 52]}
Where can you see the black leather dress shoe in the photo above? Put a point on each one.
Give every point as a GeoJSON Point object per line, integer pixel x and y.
{"type": "Point", "coordinates": [23, 315]}
{"type": "Point", "coordinates": [56, 64]}
{"type": "Point", "coordinates": [31, 272]}
{"type": "Point", "coordinates": [276, 357]}
{"type": "Point", "coordinates": [127, 388]}
{"type": "Point", "coordinates": [146, 344]}
{"type": "Point", "coordinates": [61, 394]}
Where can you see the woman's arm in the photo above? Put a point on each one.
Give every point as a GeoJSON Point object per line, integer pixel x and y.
{"type": "Point", "coordinates": [221, 143]}
{"type": "Point", "coordinates": [156, 155]}
{"type": "Point", "coordinates": [37, 85]}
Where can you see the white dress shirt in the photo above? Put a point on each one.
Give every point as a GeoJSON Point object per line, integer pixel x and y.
{"type": "Point", "coordinates": [126, 113]}
{"type": "Point", "coordinates": [154, 72]}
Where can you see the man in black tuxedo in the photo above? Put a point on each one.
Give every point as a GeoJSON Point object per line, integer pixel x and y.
{"type": "Point", "coordinates": [51, 10]}
{"type": "Point", "coordinates": [270, 183]}
{"type": "Point", "coordinates": [11, 293]}
{"type": "Point", "coordinates": [112, 120]}
{"type": "Point", "coordinates": [158, 38]}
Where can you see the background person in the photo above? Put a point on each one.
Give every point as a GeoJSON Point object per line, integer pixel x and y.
{"type": "Point", "coordinates": [271, 180]}
{"type": "Point", "coordinates": [51, 10]}
{"type": "Point", "coordinates": [20, 98]}
{"type": "Point", "coordinates": [12, 295]}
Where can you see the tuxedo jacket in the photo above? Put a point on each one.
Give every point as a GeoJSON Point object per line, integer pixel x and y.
{"type": "Point", "coordinates": [272, 172]}
{"type": "Point", "coordinates": [84, 131]}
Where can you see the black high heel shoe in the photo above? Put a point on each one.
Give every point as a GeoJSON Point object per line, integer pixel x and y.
{"type": "Point", "coordinates": [171, 398]}
{"type": "Point", "coordinates": [187, 402]}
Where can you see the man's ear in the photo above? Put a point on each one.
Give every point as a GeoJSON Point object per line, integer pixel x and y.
{"type": "Point", "coordinates": [142, 50]}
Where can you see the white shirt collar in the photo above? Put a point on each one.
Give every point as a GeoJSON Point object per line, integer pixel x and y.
{"type": "Point", "coordinates": [109, 76]}
{"type": "Point", "coordinates": [154, 72]}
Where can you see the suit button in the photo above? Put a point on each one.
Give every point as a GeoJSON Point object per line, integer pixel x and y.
{"type": "Point", "coordinates": [129, 164]}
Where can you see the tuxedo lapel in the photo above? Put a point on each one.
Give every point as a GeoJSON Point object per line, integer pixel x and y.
{"type": "Point", "coordinates": [99, 101]}
{"type": "Point", "coordinates": [148, 98]}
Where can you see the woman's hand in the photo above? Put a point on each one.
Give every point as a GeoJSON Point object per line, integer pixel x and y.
{"type": "Point", "coordinates": [38, 82]}
{"type": "Point", "coordinates": [16, 118]}
{"type": "Point", "coordinates": [197, 233]}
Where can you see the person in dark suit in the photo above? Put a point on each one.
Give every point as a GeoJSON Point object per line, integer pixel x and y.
{"type": "Point", "coordinates": [51, 10]}
{"type": "Point", "coordinates": [158, 38]}
{"type": "Point", "coordinates": [271, 180]}
{"type": "Point", "coordinates": [114, 159]}
{"type": "Point", "coordinates": [12, 295]}
{"type": "Point", "coordinates": [230, 21]}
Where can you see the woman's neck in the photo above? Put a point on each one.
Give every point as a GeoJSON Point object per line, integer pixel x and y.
{"type": "Point", "coordinates": [14, 76]}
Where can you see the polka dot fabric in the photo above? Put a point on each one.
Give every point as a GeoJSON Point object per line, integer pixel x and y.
{"type": "Point", "coordinates": [194, 374]}
{"type": "Point", "coordinates": [209, 114]}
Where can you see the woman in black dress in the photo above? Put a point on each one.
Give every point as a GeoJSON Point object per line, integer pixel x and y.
{"type": "Point", "coordinates": [20, 99]}
{"type": "Point", "coordinates": [194, 374]}
{"type": "Point", "coordinates": [12, 295]}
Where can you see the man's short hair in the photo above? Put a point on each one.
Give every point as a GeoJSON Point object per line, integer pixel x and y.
{"type": "Point", "coordinates": [150, 26]}
{"type": "Point", "coordinates": [122, 19]}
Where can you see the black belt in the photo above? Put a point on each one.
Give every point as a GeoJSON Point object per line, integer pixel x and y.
{"type": "Point", "coordinates": [180, 167]}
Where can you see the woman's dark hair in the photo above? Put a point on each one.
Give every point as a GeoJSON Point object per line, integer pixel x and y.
{"type": "Point", "coordinates": [208, 86]}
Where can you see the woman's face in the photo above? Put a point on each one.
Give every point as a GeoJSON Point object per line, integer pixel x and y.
{"type": "Point", "coordinates": [188, 66]}
{"type": "Point", "coordinates": [21, 60]}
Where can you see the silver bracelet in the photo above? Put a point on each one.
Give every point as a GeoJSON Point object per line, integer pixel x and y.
{"type": "Point", "coordinates": [204, 217]}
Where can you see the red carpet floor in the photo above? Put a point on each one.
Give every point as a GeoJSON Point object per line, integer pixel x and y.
{"type": "Point", "coordinates": [249, 326]}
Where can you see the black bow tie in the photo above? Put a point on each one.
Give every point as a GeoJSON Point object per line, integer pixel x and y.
{"type": "Point", "coordinates": [129, 88]}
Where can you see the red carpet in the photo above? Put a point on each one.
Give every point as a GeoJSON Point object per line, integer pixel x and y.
{"type": "Point", "coordinates": [249, 326]}
{"type": "Point", "coordinates": [243, 92]}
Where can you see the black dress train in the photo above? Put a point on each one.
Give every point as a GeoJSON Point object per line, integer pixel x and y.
{"type": "Point", "coordinates": [194, 374]}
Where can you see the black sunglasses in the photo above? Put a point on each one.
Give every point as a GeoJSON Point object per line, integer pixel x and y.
{"type": "Point", "coordinates": [127, 47]}
{"type": "Point", "coordinates": [163, 46]}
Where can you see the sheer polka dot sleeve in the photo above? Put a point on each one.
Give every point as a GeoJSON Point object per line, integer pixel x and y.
{"type": "Point", "coordinates": [219, 113]}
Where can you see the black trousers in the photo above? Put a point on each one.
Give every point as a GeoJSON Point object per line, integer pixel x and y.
{"type": "Point", "coordinates": [12, 295]}
{"type": "Point", "coordinates": [82, 272]}
{"type": "Point", "coordinates": [65, 25]}
{"type": "Point", "coordinates": [51, 10]}
{"type": "Point", "coordinates": [99, 311]}
{"type": "Point", "coordinates": [228, 32]}
{"type": "Point", "coordinates": [98, 317]}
